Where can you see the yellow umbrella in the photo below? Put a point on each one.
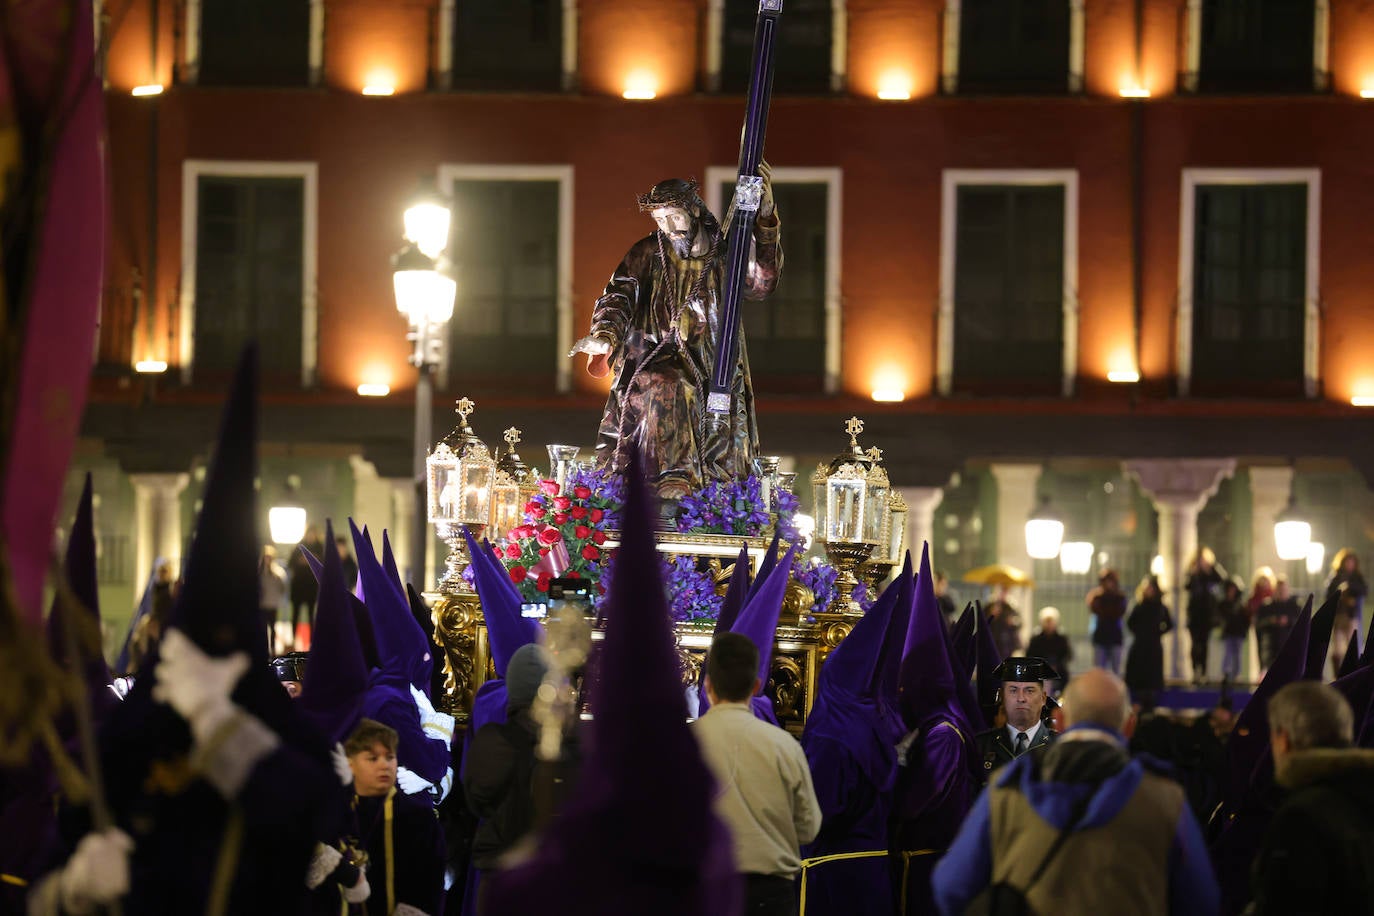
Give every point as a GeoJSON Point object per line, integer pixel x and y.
{"type": "Point", "coordinates": [998, 574]}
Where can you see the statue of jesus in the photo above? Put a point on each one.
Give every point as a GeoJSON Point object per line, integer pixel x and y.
{"type": "Point", "coordinates": [656, 327]}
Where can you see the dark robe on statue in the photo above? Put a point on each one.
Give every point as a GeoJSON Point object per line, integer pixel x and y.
{"type": "Point", "coordinates": [661, 315]}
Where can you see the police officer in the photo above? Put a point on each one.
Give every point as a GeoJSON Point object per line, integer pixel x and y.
{"type": "Point", "coordinates": [1023, 699]}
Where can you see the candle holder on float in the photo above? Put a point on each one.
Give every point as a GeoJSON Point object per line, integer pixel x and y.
{"type": "Point", "coordinates": [851, 512]}
{"type": "Point", "coordinates": [891, 528]}
{"type": "Point", "coordinates": [562, 462]}
{"type": "Point", "coordinates": [460, 477]}
{"type": "Point", "coordinates": [515, 485]}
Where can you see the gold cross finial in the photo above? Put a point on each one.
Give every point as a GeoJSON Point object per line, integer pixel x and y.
{"type": "Point", "coordinates": [512, 436]}
{"type": "Point", "coordinates": [465, 407]}
{"type": "Point", "coordinates": [875, 453]}
{"type": "Point", "coordinates": [854, 426]}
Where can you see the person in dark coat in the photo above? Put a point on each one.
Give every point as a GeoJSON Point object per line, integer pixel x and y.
{"type": "Point", "coordinates": [1005, 623]}
{"type": "Point", "coordinates": [1204, 580]}
{"type": "Point", "coordinates": [1148, 623]}
{"type": "Point", "coordinates": [1318, 851]}
{"type": "Point", "coordinates": [498, 774]}
{"type": "Point", "coordinates": [1053, 646]}
{"type": "Point", "coordinates": [405, 847]}
{"type": "Point", "coordinates": [304, 589]}
{"type": "Point", "coordinates": [1275, 621]}
{"type": "Point", "coordinates": [1108, 606]}
{"type": "Point", "coordinates": [1234, 616]}
{"type": "Point", "coordinates": [1347, 582]}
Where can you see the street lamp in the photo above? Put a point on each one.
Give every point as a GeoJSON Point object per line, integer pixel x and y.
{"type": "Point", "coordinates": [1292, 534]}
{"type": "Point", "coordinates": [1076, 557]}
{"type": "Point", "coordinates": [1044, 532]}
{"type": "Point", "coordinates": [425, 293]}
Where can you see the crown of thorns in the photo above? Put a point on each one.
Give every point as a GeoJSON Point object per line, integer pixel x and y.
{"type": "Point", "coordinates": [674, 192]}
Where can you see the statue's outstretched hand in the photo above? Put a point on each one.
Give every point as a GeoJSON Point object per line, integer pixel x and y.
{"type": "Point", "coordinates": [598, 352]}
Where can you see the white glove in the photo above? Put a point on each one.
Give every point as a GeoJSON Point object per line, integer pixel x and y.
{"type": "Point", "coordinates": [446, 784]}
{"type": "Point", "coordinates": [410, 782]}
{"type": "Point", "coordinates": [904, 746]}
{"type": "Point", "coordinates": [593, 346]}
{"type": "Point", "coordinates": [322, 865]}
{"type": "Point", "coordinates": [98, 872]}
{"type": "Point", "coordinates": [434, 724]}
{"type": "Point", "coordinates": [195, 684]}
{"type": "Point", "coordinates": [339, 758]}
{"type": "Point", "coordinates": [358, 892]}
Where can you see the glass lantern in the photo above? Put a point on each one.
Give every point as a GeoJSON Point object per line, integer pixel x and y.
{"type": "Point", "coordinates": [877, 524]}
{"type": "Point", "coordinates": [515, 486]}
{"type": "Point", "coordinates": [897, 516]}
{"type": "Point", "coordinates": [460, 475]}
{"type": "Point", "coordinates": [851, 514]}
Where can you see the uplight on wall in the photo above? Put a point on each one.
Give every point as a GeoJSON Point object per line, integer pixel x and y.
{"type": "Point", "coordinates": [640, 86]}
{"type": "Point", "coordinates": [150, 366]}
{"type": "Point", "coordinates": [374, 390]}
{"type": "Point", "coordinates": [1362, 400]}
{"type": "Point", "coordinates": [145, 91]}
{"type": "Point", "coordinates": [1134, 92]}
{"type": "Point", "coordinates": [382, 89]}
{"type": "Point", "coordinates": [1367, 92]}
{"type": "Point", "coordinates": [894, 86]}
{"type": "Point", "coordinates": [889, 395]}
{"type": "Point", "coordinates": [1123, 376]}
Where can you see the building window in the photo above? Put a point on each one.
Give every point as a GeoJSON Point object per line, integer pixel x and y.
{"type": "Point", "coordinates": [507, 44]}
{"type": "Point", "coordinates": [253, 42]}
{"type": "Point", "coordinates": [511, 252]}
{"type": "Point", "coordinates": [1014, 46]}
{"type": "Point", "coordinates": [1249, 285]}
{"type": "Point", "coordinates": [1257, 46]}
{"type": "Point", "coordinates": [1008, 268]}
{"type": "Point", "coordinates": [248, 266]}
{"type": "Point", "coordinates": [793, 336]}
{"type": "Point", "coordinates": [803, 54]}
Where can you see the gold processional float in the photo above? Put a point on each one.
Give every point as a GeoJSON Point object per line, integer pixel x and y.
{"type": "Point", "coordinates": [859, 520]}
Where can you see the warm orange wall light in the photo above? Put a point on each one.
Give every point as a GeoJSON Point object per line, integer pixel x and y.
{"type": "Point", "coordinates": [894, 86]}
{"type": "Point", "coordinates": [640, 85]}
{"type": "Point", "coordinates": [380, 82]}
{"type": "Point", "coordinates": [889, 385]}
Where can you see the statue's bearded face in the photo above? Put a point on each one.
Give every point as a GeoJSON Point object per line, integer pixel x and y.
{"type": "Point", "coordinates": [678, 226]}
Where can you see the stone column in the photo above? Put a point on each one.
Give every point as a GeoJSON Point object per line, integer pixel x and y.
{"type": "Point", "coordinates": [403, 522]}
{"type": "Point", "coordinates": [1270, 488]}
{"type": "Point", "coordinates": [1179, 488]}
{"type": "Point", "coordinates": [157, 521]}
{"type": "Point", "coordinates": [1015, 503]}
{"type": "Point", "coordinates": [921, 503]}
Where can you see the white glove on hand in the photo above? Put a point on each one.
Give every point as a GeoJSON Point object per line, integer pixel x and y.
{"type": "Point", "coordinates": [359, 892]}
{"type": "Point", "coordinates": [339, 758]}
{"type": "Point", "coordinates": [592, 346]}
{"type": "Point", "coordinates": [410, 782]}
{"type": "Point", "coordinates": [98, 872]}
{"type": "Point", "coordinates": [435, 724]}
{"type": "Point", "coordinates": [446, 784]}
{"type": "Point", "coordinates": [195, 684]}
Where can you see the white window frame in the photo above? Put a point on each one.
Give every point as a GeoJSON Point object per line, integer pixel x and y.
{"type": "Point", "coordinates": [448, 21]}
{"type": "Point", "coordinates": [833, 179]}
{"type": "Point", "coordinates": [953, 179]}
{"type": "Point", "coordinates": [1321, 45]}
{"type": "Point", "coordinates": [1311, 295]}
{"type": "Point", "coordinates": [191, 72]}
{"type": "Point", "coordinates": [563, 308]}
{"type": "Point", "coordinates": [949, 59]}
{"type": "Point", "coordinates": [839, 44]}
{"type": "Point", "coordinates": [192, 170]}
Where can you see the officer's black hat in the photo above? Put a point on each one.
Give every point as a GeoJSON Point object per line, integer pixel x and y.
{"type": "Point", "coordinates": [1024, 669]}
{"type": "Point", "coordinates": [290, 667]}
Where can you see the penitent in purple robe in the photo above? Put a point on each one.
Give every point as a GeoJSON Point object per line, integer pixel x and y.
{"type": "Point", "coordinates": [850, 741]}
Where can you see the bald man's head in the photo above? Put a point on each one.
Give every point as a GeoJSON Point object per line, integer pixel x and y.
{"type": "Point", "coordinates": [1097, 697]}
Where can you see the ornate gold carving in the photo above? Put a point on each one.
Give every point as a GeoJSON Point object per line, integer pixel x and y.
{"type": "Point", "coordinates": [787, 684]}
{"type": "Point", "coordinates": [455, 633]}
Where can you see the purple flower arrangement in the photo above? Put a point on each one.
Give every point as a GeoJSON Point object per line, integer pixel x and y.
{"type": "Point", "coordinates": [733, 507]}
